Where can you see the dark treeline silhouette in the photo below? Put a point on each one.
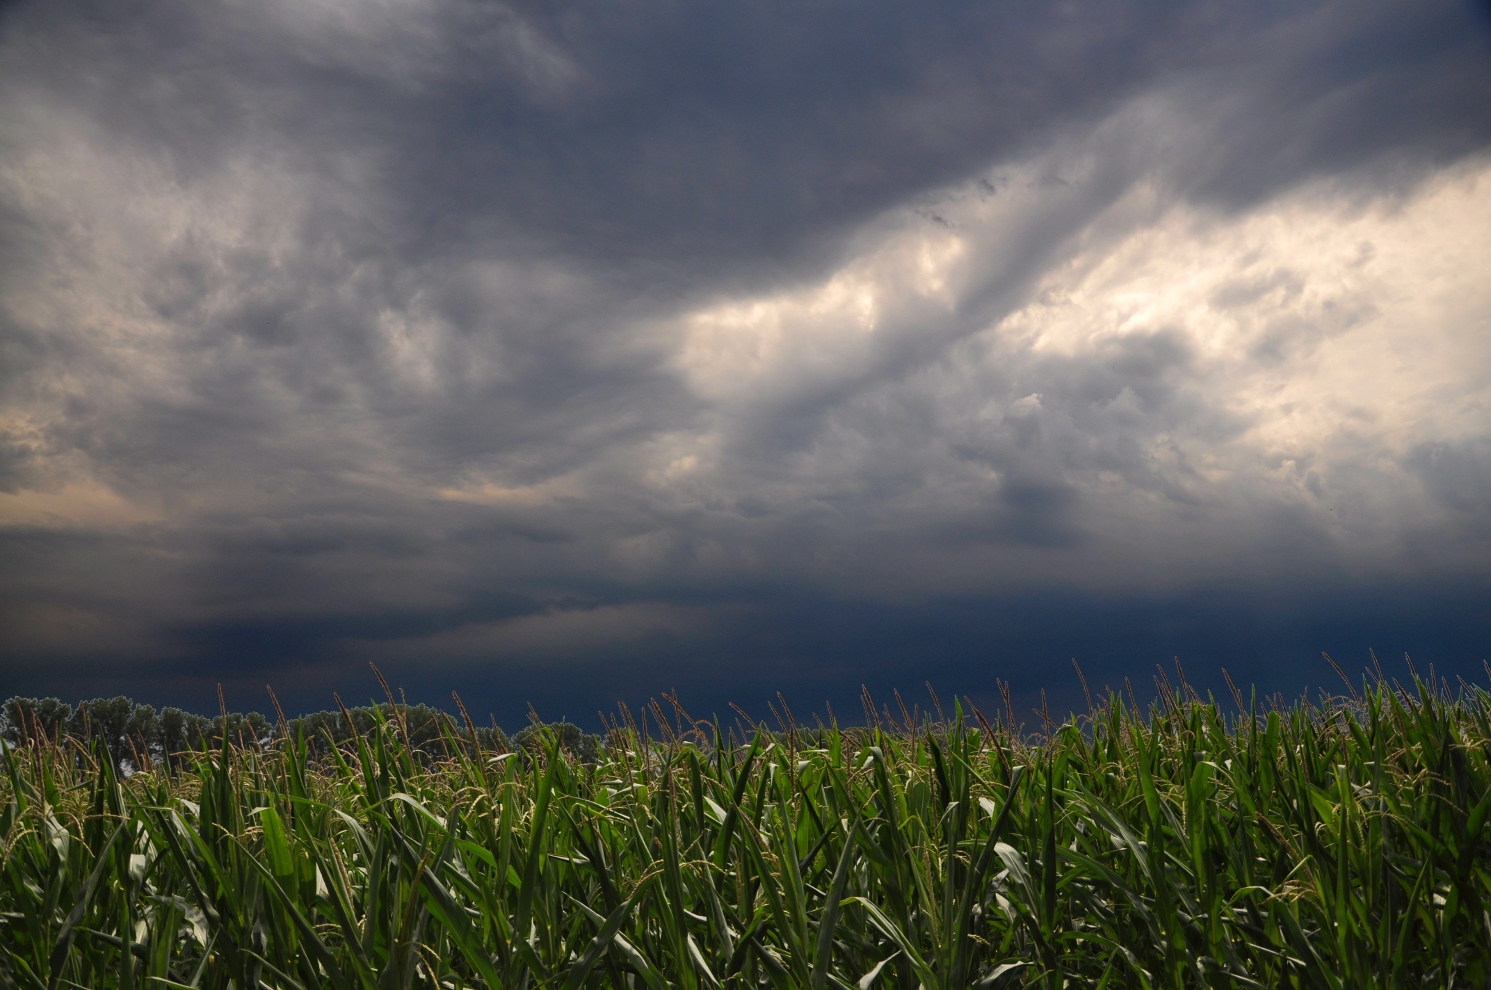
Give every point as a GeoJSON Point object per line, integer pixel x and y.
{"type": "Point", "coordinates": [130, 732]}
{"type": "Point", "coordinates": [426, 727]}
{"type": "Point", "coordinates": [584, 745]}
{"type": "Point", "coordinates": [137, 734]}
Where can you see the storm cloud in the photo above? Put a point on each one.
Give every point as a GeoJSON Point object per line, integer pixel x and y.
{"type": "Point", "coordinates": [567, 353]}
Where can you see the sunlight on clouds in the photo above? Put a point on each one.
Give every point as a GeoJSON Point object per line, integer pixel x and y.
{"type": "Point", "coordinates": [732, 346]}
{"type": "Point", "coordinates": [683, 465]}
{"type": "Point", "coordinates": [817, 333]}
{"type": "Point", "coordinates": [552, 634]}
{"type": "Point", "coordinates": [936, 259]}
{"type": "Point", "coordinates": [1311, 316]}
{"type": "Point", "coordinates": [1158, 368]}
{"type": "Point", "coordinates": [414, 341]}
{"type": "Point", "coordinates": [515, 496]}
{"type": "Point", "coordinates": [59, 489]}
{"type": "Point", "coordinates": [83, 504]}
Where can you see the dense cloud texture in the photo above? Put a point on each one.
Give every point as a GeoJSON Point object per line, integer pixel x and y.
{"type": "Point", "coordinates": [572, 352]}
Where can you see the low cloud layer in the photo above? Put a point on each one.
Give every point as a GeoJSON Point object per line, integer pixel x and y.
{"type": "Point", "coordinates": [569, 354]}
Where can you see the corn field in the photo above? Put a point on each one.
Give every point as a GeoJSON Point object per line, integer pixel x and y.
{"type": "Point", "coordinates": [1337, 844]}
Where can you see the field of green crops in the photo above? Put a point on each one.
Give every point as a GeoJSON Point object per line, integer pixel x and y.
{"type": "Point", "coordinates": [1333, 844]}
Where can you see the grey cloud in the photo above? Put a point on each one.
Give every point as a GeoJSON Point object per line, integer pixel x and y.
{"type": "Point", "coordinates": [1458, 475]}
{"type": "Point", "coordinates": [14, 460]}
{"type": "Point", "coordinates": [1244, 291]}
{"type": "Point", "coordinates": [375, 312]}
{"type": "Point", "coordinates": [1353, 95]}
{"type": "Point", "coordinates": [724, 134]}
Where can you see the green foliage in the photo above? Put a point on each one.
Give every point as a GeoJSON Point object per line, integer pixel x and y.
{"type": "Point", "coordinates": [426, 727]}
{"type": "Point", "coordinates": [1328, 846]}
{"type": "Point", "coordinates": [575, 741]}
{"type": "Point", "coordinates": [131, 733]}
{"type": "Point", "coordinates": [135, 735]}
{"type": "Point", "coordinates": [27, 717]}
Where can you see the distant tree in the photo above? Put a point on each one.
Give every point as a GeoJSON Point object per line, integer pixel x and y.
{"type": "Point", "coordinates": [179, 731]}
{"type": "Point", "coordinates": [142, 732]}
{"type": "Point", "coordinates": [103, 719]}
{"type": "Point", "coordinates": [583, 745]}
{"type": "Point", "coordinates": [24, 716]}
{"type": "Point", "coordinates": [133, 733]}
{"type": "Point", "coordinates": [242, 728]}
{"type": "Point", "coordinates": [426, 726]}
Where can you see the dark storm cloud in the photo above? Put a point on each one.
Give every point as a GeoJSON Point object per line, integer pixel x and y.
{"type": "Point", "coordinates": [637, 133]}
{"type": "Point", "coordinates": [336, 332]}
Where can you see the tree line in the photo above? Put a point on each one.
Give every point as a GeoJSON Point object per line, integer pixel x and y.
{"type": "Point", "coordinates": [137, 735]}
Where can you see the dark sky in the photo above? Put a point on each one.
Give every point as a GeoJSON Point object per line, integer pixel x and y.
{"type": "Point", "coordinates": [573, 352]}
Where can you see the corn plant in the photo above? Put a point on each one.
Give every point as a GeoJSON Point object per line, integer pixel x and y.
{"type": "Point", "coordinates": [1332, 845]}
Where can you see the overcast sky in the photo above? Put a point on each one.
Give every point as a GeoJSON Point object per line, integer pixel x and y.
{"type": "Point", "coordinates": [572, 352]}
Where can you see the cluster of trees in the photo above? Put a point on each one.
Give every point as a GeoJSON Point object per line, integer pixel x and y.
{"type": "Point", "coordinates": [135, 734]}
{"type": "Point", "coordinates": [584, 745]}
{"type": "Point", "coordinates": [131, 732]}
{"type": "Point", "coordinates": [426, 727]}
